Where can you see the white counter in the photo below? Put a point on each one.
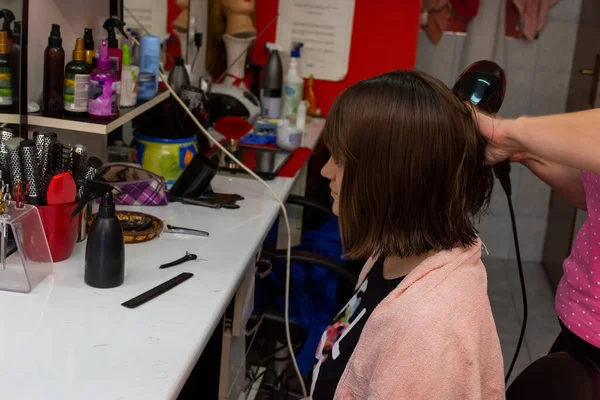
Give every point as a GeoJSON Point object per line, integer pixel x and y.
{"type": "Point", "coordinates": [66, 340]}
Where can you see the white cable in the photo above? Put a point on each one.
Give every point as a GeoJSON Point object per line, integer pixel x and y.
{"type": "Point", "coordinates": [283, 211]}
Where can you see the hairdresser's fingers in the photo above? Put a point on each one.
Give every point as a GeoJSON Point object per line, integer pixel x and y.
{"type": "Point", "coordinates": [495, 154]}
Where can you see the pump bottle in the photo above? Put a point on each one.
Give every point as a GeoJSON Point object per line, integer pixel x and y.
{"type": "Point", "coordinates": [8, 17]}
{"type": "Point", "coordinates": [103, 101]}
{"type": "Point", "coordinates": [105, 248]}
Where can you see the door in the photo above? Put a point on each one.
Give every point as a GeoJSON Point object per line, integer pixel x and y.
{"type": "Point", "coordinates": [563, 219]}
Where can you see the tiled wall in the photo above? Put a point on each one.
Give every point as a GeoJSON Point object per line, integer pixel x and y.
{"type": "Point", "coordinates": [538, 75]}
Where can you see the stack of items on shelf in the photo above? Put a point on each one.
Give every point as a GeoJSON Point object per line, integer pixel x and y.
{"type": "Point", "coordinates": [98, 83]}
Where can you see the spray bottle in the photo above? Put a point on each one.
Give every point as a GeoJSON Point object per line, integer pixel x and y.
{"type": "Point", "coordinates": [77, 81]}
{"type": "Point", "coordinates": [6, 97]}
{"type": "Point", "coordinates": [54, 74]}
{"type": "Point", "coordinates": [90, 50]}
{"type": "Point", "coordinates": [294, 84]}
{"type": "Point", "coordinates": [272, 83]}
{"type": "Point", "coordinates": [114, 53]}
{"type": "Point", "coordinates": [103, 99]}
{"type": "Point", "coordinates": [105, 248]}
{"type": "Point", "coordinates": [8, 17]}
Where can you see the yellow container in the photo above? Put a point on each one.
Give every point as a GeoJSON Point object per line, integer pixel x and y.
{"type": "Point", "coordinates": [165, 157]}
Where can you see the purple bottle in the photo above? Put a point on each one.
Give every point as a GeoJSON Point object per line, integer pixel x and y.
{"type": "Point", "coordinates": [103, 99]}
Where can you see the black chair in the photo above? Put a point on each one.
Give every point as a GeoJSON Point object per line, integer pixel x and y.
{"type": "Point", "coordinates": [557, 376]}
{"type": "Point", "coordinates": [273, 326]}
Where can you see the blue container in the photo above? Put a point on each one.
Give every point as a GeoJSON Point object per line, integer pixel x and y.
{"type": "Point", "coordinates": [149, 61]}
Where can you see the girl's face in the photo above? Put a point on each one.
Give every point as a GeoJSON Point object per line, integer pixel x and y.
{"type": "Point", "coordinates": [334, 172]}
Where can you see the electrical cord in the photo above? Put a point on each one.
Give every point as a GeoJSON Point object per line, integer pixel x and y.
{"type": "Point", "coordinates": [523, 289]}
{"type": "Point", "coordinates": [283, 211]}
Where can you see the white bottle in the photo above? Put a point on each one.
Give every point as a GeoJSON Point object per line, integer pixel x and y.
{"type": "Point", "coordinates": [293, 87]}
{"type": "Point", "coordinates": [129, 79]}
{"type": "Point", "coordinates": [301, 116]}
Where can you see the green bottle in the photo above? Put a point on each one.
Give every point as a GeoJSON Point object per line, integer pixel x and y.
{"type": "Point", "coordinates": [77, 81]}
{"type": "Point", "coordinates": [5, 72]}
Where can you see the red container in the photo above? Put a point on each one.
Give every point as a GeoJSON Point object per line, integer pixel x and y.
{"type": "Point", "coordinates": [60, 228]}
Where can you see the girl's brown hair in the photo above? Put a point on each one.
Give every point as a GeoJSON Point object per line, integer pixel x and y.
{"type": "Point", "coordinates": [414, 176]}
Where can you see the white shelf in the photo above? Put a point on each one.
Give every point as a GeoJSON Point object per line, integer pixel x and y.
{"type": "Point", "coordinates": [10, 119]}
{"type": "Point", "coordinates": [97, 127]}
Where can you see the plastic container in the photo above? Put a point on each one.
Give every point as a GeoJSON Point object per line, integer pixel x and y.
{"type": "Point", "coordinates": [77, 81]}
{"type": "Point", "coordinates": [129, 80]}
{"type": "Point", "coordinates": [149, 62]}
{"type": "Point", "coordinates": [178, 76]}
{"type": "Point", "coordinates": [103, 99]}
{"type": "Point", "coordinates": [272, 84]}
{"type": "Point", "coordinates": [165, 157]}
{"type": "Point", "coordinates": [61, 229]}
{"type": "Point", "coordinates": [288, 137]}
{"type": "Point", "coordinates": [294, 84]}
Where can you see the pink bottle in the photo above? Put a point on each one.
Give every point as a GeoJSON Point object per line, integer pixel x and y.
{"type": "Point", "coordinates": [103, 98]}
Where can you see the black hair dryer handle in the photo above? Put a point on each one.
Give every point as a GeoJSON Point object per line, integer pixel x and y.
{"type": "Point", "coordinates": [483, 83]}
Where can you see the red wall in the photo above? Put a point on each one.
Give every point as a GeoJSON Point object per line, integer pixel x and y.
{"type": "Point", "coordinates": [384, 38]}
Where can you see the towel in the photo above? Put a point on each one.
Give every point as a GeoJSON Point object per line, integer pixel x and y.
{"type": "Point", "coordinates": [534, 14]}
{"type": "Point", "coordinates": [433, 337]}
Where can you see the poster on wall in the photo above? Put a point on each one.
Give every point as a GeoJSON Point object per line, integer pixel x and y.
{"type": "Point", "coordinates": [324, 27]}
{"type": "Point", "coordinates": [151, 14]}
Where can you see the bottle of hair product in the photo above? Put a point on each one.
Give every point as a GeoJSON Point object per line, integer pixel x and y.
{"type": "Point", "coordinates": [54, 74]}
{"type": "Point", "coordinates": [103, 101]}
{"type": "Point", "coordinates": [129, 80]}
{"type": "Point", "coordinates": [178, 76]}
{"type": "Point", "coordinates": [6, 98]}
{"type": "Point", "coordinates": [114, 53]}
{"type": "Point", "coordinates": [149, 59]}
{"type": "Point", "coordinates": [15, 65]}
{"type": "Point", "coordinates": [294, 84]}
{"type": "Point", "coordinates": [90, 50]}
{"type": "Point", "coordinates": [77, 81]}
{"type": "Point", "coordinates": [272, 83]}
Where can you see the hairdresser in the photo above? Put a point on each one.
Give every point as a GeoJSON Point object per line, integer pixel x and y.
{"type": "Point", "coordinates": [564, 151]}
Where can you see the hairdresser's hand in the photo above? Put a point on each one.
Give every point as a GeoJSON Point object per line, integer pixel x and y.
{"type": "Point", "coordinates": [495, 131]}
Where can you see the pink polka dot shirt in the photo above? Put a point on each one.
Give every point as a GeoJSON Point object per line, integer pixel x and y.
{"type": "Point", "coordinates": [578, 294]}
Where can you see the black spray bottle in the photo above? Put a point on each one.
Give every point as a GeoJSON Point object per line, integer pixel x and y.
{"type": "Point", "coordinates": [105, 248]}
{"type": "Point", "coordinates": [272, 84]}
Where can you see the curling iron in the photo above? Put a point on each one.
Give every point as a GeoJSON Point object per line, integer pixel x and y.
{"type": "Point", "coordinates": [483, 83]}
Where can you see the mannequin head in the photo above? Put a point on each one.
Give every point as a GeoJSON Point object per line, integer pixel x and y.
{"type": "Point", "coordinates": [235, 17]}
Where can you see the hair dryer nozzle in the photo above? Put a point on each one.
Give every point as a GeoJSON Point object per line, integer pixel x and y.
{"type": "Point", "coordinates": [483, 83]}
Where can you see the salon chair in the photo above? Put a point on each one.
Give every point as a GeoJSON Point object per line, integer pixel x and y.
{"type": "Point", "coordinates": [557, 376]}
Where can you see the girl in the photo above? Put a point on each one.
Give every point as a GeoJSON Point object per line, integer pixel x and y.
{"type": "Point", "coordinates": [408, 179]}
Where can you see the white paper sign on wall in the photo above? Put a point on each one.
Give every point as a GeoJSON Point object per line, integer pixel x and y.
{"type": "Point", "coordinates": [325, 29]}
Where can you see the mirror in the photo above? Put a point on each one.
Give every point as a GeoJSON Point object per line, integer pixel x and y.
{"type": "Point", "coordinates": [12, 80]}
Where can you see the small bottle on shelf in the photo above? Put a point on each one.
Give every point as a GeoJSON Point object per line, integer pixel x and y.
{"type": "Point", "coordinates": [103, 101]}
{"type": "Point", "coordinates": [77, 82]}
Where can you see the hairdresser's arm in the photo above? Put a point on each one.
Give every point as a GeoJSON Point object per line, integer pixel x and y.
{"type": "Point", "coordinates": [565, 180]}
{"type": "Point", "coordinates": [567, 139]}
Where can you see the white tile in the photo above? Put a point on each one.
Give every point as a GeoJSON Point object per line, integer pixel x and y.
{"type": "Point", "coordinates": [532, 196]}
{"type": "Point", "coordinates": [429, 54]}
{"type": "Point", "coordinates": [519, 86]}
{"type": "Point", "coordinates": [549, 94]}
{"type": "Point", "coordinates": [442, 71]}
{"type": "Point", "coordinates": [566, 11]}
{"type": "Point", "coordinates": [531, 232]}
{"type": "Point", "coordinates": [556, 47]}
{"type": "Point", "coordinates": [521, 53]}
{"type": "Point", "coordinates": [495, 232]}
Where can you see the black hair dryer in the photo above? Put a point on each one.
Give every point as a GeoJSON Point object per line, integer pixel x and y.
{"type": "Point", "coordinates": [483, 83]}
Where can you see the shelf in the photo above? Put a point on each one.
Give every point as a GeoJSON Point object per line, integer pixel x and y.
{"type": "Point", "coordinates": [10, 119]}
{"type": "Point", "coordinates": [97, 127]}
